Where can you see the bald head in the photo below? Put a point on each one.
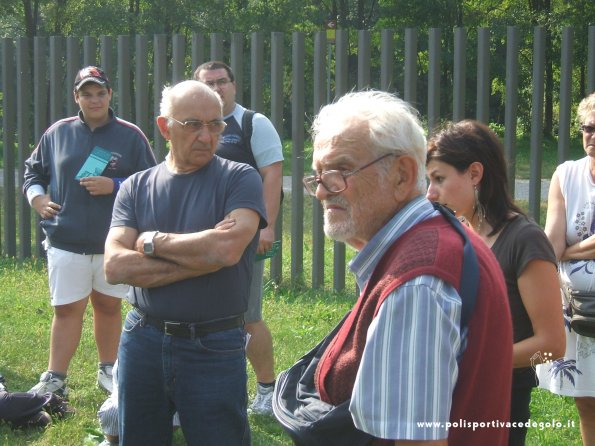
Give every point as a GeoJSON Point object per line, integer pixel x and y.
{"type": "Point", "coordinates": [191, 119]}
{"type": "Point", "coordinates": [187, 91]}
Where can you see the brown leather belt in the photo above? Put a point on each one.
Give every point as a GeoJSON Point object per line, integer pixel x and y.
{"type": "Point", "coordinates": [191, 330]}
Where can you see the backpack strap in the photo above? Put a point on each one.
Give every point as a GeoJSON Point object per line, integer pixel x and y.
{"type": "Point", "coordinates": [247, 128]}
{"type": "Point", "coordinates": [470, 269]}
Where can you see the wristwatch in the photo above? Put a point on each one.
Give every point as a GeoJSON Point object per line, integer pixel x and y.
{"type": "Point", "coordinates": [148, 244]}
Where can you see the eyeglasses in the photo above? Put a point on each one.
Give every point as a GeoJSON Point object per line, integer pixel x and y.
{"type": "Point", "coordinates": [217, 83]}
{"type": "Point", "coordinates": [589, 129]}
{"type": "Point", "coordinates": [334, 181]}
{"type": "Point", "coordinates": [215, 127]}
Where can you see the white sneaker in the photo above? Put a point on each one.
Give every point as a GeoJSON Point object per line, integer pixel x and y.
{"type": "Point", "coordinates": [48, 383]}
{"type": "Point", "coordinates": [263, 402]}
{"type": "Point", "coordinates": [105, 378]}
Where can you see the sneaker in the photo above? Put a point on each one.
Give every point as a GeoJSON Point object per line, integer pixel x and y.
{"type": "Point", "coordinates": [263, 402]}
{"type": "Point", "coordinates": [49, 383]}
{"type": "Point", "coordinates": [105, 378]}
{"type": "Point", "coordinates": [107, 443]}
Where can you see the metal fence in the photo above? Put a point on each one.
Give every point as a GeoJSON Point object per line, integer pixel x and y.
{"type": "Point", "coordinates": [288, 77]}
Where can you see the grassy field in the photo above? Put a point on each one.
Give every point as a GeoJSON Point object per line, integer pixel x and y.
{"type": "Point", "coordinates": [298, 317]}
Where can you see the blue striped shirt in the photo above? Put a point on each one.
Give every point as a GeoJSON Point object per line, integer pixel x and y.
{"type": "Point", "coordinates": [409, 366]}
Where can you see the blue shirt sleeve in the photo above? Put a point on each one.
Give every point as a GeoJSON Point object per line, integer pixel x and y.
{"type": "Point", "coordinates": [409, 366]}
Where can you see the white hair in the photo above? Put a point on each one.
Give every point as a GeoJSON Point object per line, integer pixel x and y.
{"type": "Point", "coordinates": [392, 123]}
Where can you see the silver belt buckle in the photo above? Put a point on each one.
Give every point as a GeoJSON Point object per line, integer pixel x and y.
{"type": "Point", "coordinates": [167, 325]}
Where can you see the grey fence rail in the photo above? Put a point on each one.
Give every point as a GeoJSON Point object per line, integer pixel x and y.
{"type": "Point", "coordinates": [288, 77]}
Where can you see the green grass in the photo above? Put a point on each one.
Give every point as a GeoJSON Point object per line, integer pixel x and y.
{"type": "Point", "coordinates": [298, 319]}
{"type": "Point", "coordinates": [549, 155]}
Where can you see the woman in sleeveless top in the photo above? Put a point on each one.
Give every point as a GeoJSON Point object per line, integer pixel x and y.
{"type": "Point", "coordinates": [570, 226]}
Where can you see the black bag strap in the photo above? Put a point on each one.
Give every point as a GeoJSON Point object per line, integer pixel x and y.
{"type": "Point", "coordinates": [470, 269]}
{"type": "Point", "coordinates": [247, 128]}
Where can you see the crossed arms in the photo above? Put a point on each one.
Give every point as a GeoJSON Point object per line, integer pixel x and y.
{"type": "Point", "coordinates": [178, 256]}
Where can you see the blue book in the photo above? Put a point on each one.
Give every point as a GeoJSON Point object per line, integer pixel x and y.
{"type": "Point", "coordinates": [95, 164]}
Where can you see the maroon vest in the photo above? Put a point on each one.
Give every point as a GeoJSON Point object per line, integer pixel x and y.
{"type": "Point", "coordinates": [482, 392]}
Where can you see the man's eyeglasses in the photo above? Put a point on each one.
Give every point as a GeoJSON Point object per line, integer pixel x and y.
{"type": "Point", "coordinates": [215, 127]}
{"type": "Point", "coordinates": [217, 83]}
{"type": "Point", "coordinates": [589, 129]}
{"type": "Point", "coordinates": [334, 181]}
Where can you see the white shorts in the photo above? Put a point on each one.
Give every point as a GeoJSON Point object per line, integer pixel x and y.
{"type": "Point", "coordinates": [72, 277]}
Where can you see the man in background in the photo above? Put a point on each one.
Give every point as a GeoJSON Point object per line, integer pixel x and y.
{"type": "Point", "coordinates": [262, 150]}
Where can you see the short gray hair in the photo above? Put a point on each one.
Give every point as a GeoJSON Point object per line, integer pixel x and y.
{"type": "Point", "coordinates": [585, 108]}
{"type": "Point", "coordinates": [171, 93]}
{"type": "Point", "coordinates": [393, 125]}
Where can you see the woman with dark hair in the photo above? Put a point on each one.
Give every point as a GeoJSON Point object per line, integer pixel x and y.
{"type": "Point", "coordinates": [570, 226]}
{"type": "Point", "coordinates": [467, 172]}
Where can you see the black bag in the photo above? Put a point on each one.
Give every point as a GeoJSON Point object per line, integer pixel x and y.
{"type": "Point", "coordinates": [307, 419]}
{"type": "Point", "coordinates": [582, 312]}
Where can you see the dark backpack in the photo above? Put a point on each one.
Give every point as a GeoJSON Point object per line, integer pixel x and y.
{"type": "Point", "coordinates": [307, 419]}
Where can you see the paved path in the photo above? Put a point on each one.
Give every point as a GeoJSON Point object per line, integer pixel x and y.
{"type": "Point", "coordinates": [521, 188]}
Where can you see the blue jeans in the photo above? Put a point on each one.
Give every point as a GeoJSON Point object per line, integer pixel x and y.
{"type": "Point", "coordinates": [204, 379]}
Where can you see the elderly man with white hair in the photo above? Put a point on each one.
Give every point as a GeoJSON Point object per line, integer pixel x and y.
{"type": "Point", "coordinates": [400, 361]}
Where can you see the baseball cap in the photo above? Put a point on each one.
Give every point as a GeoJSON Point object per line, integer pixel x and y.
{"type": "Point", "coordinates": [90, 74]}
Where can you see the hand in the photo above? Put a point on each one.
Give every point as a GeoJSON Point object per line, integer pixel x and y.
{"type": "Point", "coordinates": [267, 237]}
{"type": "Point", "coordinates": [226, 223]}
{"type": "Point", "coordinates": [139, 245]}
{"type": "Point", "coordinates": [98, 185]}
{"type": "Point", "coordinates": [45, 207]}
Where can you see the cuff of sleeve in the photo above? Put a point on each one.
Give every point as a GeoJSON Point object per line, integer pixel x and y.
{"type": "Point", "coordinates": [117, 183]}
{"type": "Point", "coordinates": [34, 191]}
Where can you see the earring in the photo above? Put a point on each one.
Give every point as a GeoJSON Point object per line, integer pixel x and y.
{"type": "Point", "coordinates": [479, 209]}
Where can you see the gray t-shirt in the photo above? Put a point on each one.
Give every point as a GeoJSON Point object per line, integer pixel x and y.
{"type": "Point", "coordinates": [159, 200]}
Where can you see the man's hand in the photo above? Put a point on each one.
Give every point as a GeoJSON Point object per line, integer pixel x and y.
{"type": "Point", "coordinates": [45, 207]}
{"type": "Point", "coordinates": [98, 185]}
{"type": "Point", "coordinates": [267, 237]}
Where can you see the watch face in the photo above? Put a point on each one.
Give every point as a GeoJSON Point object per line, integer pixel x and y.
{"type": "Point", "coordinates": [148, 246]}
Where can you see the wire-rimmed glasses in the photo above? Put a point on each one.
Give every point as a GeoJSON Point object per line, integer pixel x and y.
{"type": "Point", "coordinates": [334, 181]}
{"type": "Point", "coordinates": [215, 127]}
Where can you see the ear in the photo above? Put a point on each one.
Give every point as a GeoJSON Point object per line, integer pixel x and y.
{"type": "Point", "coordinates": [76, 96]}
{"type": "Point", "coordinates": [404, 176]}
{"type": "Point", "coordinates": [475, 169]}
{"type": "Point", "coordinates": [162, 123]}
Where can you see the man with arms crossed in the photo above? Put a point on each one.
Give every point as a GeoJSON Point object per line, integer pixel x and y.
{"type": "Point", "coordinates": [264, 152]}
{"type": "Point", "coordinates": [183, 235]}
{"type": "Point", "coordinates": [400, 356]}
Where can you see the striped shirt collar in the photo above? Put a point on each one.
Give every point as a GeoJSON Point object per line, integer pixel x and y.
{"type": "Point", "coordinates": [414, 212]}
